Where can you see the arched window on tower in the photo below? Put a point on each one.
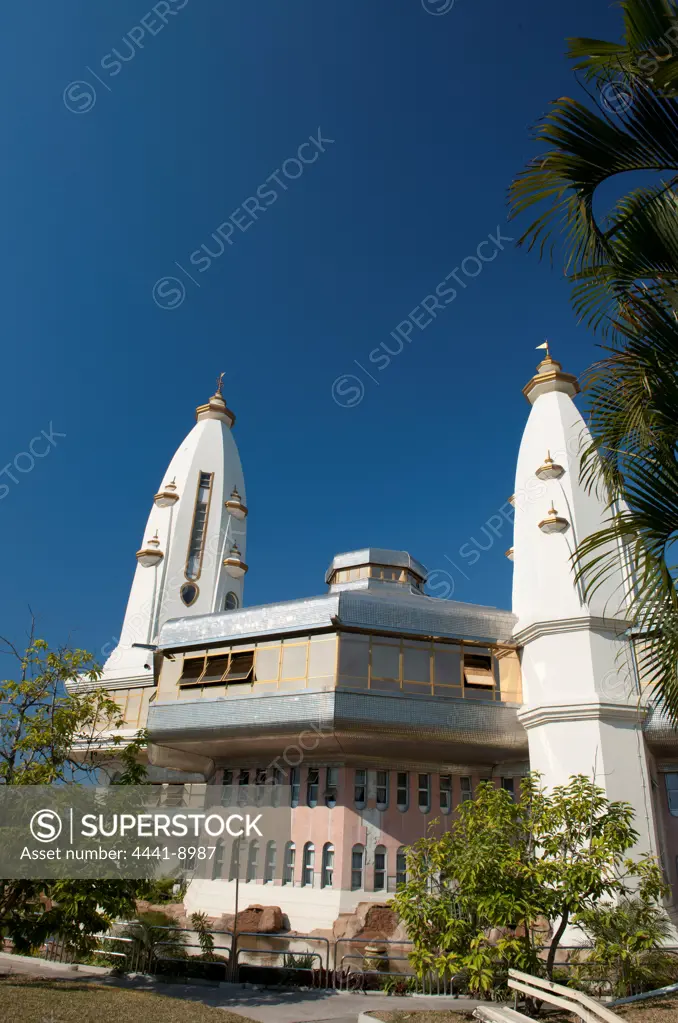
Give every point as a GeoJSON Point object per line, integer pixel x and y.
{"type": "Point", "coordinates": [231, 602]}
{"type": "Point", "coordinates": [199, 527]}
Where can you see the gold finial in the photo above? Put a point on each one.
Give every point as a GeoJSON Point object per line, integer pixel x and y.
{"type": "Point", "coordinates": [546, 346]}
{"type": "Point", "coordinates": [220, 383]}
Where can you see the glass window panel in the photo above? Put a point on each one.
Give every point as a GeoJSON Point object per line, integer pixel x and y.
{"type": "Point", "coordinates": [354, 653]}
{"type": "Point", "coordinates": [331, 785]}
{"type": "Point", "coordinates": [312, 786]}
{"type": "Point", "coordinates": [266, 669]}
{"type": "Point", "coordinates": [424, 799]}
{"type": "Point", "coordinates": [466, 790]}
{"type": "Point", "coordinates": [288, 864]}
{"type": "Point", "coordinates": [193, 669]}
{"type": "Point", "coordinates": [478, 669]}
{"type": "Point", "coordinates": [385, 662]}
{"type": "Point", "coordinates": [240, 668]}
{"type": "Point", "coordinates": [308, 864]}
{"type": "Point", "coordinates": [360, 788]}
{"type": "Point", "coordinates": [446, 792]}
{"type": "Point", "coordinates": [328, 866]}
{"type": "Point", "coordinates": [357, 859]}
{"type": "Point", "coordinates": [295, 785]}
{"type": "Point", "coordinates": [382, 790]}
{"type": "Point", "coordinates": [416, 663]}
{"type": "Point", "coordinates": [322, 657]}
{"type": "Point", "coordinates": [269, 864]}
{"type": "Point", "coordinates": [671, 780]}
{"type": "Point", "coordinates": [195, 547]}
{"type": "Point", "coordinates": [447, 665]}
{"type": "Point", "coordinates": [401, 866]}
{"type": "Point", "coordinates": [252, 859]}
{"type": "Point", "coordinates": [379, 868]}
{"type": "Point", "coordinates": [294, 661]}
{"type": "Point", "coordinates": [508, 665]}
{"type": "Point", "coordinates": [402, 790]}
{"type": "Point", "coordinates": [216, 668]}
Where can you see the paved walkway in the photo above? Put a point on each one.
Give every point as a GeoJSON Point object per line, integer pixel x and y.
{"type": "Point", "coordinates": [298, 1006]}
{"type": "Point", "coordinates": [261, 1006]}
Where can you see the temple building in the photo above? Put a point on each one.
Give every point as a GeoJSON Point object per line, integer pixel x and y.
{"type": "Point", "coordinates": [380, 707]}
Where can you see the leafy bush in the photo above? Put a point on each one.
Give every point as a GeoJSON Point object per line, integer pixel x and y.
{"type": "Point", "coordinates": [299, 960]}
{"type": "Point", "coordinates": [156, 938]}
{"type": "Point", "coordinates": [624, 944]}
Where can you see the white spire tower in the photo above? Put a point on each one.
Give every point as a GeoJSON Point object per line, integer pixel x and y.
{"type": "Point", "coordinates": [581, 691]}
{"type": "Point", "coordinates": [192, 558]}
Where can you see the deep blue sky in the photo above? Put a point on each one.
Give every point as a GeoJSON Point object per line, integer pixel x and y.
{"type": "Point", "coordinates": [430, 120]}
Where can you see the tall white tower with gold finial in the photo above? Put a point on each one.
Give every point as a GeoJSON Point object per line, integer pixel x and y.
{"type": "Point", "coordinates": [582, 710]}
{"type": "Point", "coordinates": [192, 557]}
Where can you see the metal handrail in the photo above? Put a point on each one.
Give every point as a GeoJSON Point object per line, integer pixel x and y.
{"type": "Point", "coordinates": [288, 938]}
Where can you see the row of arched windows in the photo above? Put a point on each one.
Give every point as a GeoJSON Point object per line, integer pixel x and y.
{"type": "Point", "coordinates": [252, 849]}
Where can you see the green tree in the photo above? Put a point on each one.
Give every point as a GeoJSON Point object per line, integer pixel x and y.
{"type": "Point", "coordinates": [51, 736]}
{"type": "Point", "coordinates": [510, 865]}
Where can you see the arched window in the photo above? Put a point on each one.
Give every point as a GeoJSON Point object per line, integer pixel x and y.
{"type": "Point", "coordinates": [200, 513]}
{"type": "Point", "coordinates": [328, 866]}
{"type": "Point", "coordinates": [288, 863]}
{"type": "Point", "coordinates": [218, 861]}
{"type": "Point", "coordinates": [269, 866]}
{"type": "Point", "coordinates": [424, 793]}
{"type": "Point", "coordinates": [312, 786]}
{"type": "Point", "coordinates": [308, 865]}
{"type": "Point", "coordinates": [403, 791]}
{"type": "Point", "coordinates": [357, 865]}
{"type": "Point", "coordinates": [295, 785]}
{"type": "Point", "coordinates": [401, 866]}
{"type": "Point", "coordinates": [331, 786]}
{"type": "Point", "coordinates": [360, 788]}
{"type": "Point", "coordinates": [227, 788]}
{"type": "Point", "coordinates": [382, 790]}
{"type": "Point", "coordinates": [380, 869]}
{"type": "Point", "coordinates": [252, 857]}
{"type": "Point", "coordinates": [234, 869]}
{"type": "Point", "coordinates": [231, 602]}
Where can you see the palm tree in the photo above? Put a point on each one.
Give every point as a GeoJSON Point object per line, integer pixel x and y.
{"type": "Point", "coordinates": [632, 128]}
{"type": "Point", "coordinates": [624, 270]}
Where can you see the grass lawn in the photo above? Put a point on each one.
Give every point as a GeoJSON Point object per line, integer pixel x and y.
{"type": "Point", "coordinates": [26, 999]}
{"type": "Point", "coordinates": [657, 1010]}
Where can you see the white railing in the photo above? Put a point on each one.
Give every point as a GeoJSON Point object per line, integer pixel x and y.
{"type": "Point", "coordinates": [582, 1005]}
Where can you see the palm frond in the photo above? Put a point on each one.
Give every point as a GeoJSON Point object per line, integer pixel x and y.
{"type": "Point", "coordinates": [649, 49]}
{"type": "Point", "coordinates": [637, 240]}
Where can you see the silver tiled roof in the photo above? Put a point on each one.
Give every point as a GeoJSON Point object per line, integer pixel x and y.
{"type": "Point", "coordinates": [400, 612]}
{"type": "Point", "coordinates": [376, 556]}
{"type": "Point", "coordinates": [342, 723]}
